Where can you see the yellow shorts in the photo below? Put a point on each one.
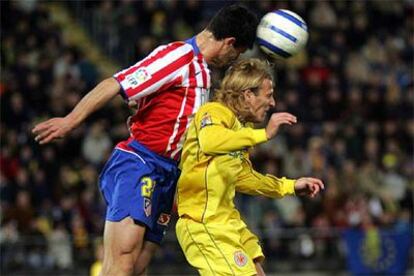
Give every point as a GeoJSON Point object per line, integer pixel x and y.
{"type": "Point", "coordinates": [219, 249]}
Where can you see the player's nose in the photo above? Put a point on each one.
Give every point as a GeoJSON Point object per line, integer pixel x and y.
{"type": "Point", "coordinates": [272, 102]}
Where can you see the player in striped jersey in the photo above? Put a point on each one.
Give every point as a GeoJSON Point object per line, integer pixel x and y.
{"type": "Point", "coordinates": [138, 181]}
{"type": "Point", "coordinates": [215, 164]}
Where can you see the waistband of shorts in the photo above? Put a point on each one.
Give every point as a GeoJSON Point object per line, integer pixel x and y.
{"type": "Point", "coordinates": [136, 146]}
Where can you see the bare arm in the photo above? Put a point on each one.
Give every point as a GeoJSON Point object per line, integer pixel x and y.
{"type": "Point", "coordinates": [56, 128]}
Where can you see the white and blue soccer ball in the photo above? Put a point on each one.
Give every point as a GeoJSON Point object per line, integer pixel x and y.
{"type": "Point", "coordinates": [282, 34]}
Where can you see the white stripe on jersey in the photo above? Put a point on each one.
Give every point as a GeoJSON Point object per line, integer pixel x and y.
{"type": "Point", "coordinates": [201, 96]}
{"type": "Point", "coordinates": [158, 65]}
{"type": "Point", "coordinates": [177, 122]}
{"type": "Point", "coordinates": [182, 138]}
{"type": "Point", "coordinates": [204, 93]}
{"type": "Point", "coordinates": [198, 74]}
{"type": "Point", "coordinates": [153, 53]}
{"type": "Point", "coordinates": [198, 99]}
{"type": "Point", "coordinates": [153, 88]}
{"type": "Point", "coordinates": [208, 84]}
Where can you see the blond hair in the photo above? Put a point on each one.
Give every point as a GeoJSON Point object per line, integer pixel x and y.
{"type": "Point", "coordinates": [247, 74]}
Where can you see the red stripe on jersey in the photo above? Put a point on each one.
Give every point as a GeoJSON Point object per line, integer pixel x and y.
{"type": "Point", "coordinates": [203, 70]}
{"type": "Point", "coordinates": [188, 109]}
{"type": "Point", "coordinates": [145, 62]}
{"type": "Point", "coordinates": [191, 75]}
{"type": "Point", "coordinates": [162, 73]}
{"type": "Point", "coordinates": [175, 81]}
{"type": "Point", "coordinates": [189, 106]}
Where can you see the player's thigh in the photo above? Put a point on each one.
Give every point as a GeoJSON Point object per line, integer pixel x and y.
{"type": "Point", "coordinates": [213, 249]}
{"type": "Point", "coordinates": [147, 252]}
{"type": "Point", "coordinates": [123, 237]}
{"type": "Point", "coordinates": [259, 269]}
{"type": "Point", "coordinates": [127, 185]}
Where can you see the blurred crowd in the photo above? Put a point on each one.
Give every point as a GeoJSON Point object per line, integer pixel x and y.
{"type": "Point", "coordinates": [352, 91]}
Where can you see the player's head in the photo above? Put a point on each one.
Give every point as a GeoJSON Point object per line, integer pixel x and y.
{"type": "Point", "coordinates": [247, 89]}
{"type": "Point", "coordinates": [235, 27]}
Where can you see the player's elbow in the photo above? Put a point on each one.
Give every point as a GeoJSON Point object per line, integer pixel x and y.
{"type": "Point", "coordinates": [111, 84]}
{"type": "Point", "coordinates": [108, 88]}
{"type": "Point", "coordinates": [208, 141]}
{"type": "Point", "coordinates": [207, 147]}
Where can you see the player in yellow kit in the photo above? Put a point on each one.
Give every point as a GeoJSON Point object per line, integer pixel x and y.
{"type": "Point", "coordinates": [215, 164]}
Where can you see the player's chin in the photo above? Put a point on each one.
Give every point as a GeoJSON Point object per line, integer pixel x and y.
{"type": "Point", "coordinates": [264, 115]}
{"type": "Point", "coordinates": [260, 118]}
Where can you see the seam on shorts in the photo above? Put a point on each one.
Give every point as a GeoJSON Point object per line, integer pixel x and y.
{"type": "Point", "coordinates": [222, 254]}
{"type": "Point", "coordinates": [191, 236]}
{"type": "Point", "coordinates": [134, 153]}
{"type": "Point", "coordinates": [205, 184]}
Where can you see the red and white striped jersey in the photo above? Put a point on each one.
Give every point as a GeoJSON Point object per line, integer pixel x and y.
{"type": "Point", "coordinates": [169, 86]}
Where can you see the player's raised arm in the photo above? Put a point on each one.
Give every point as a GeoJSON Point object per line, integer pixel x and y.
{"type": "Point", "coordinates": [59, 127]}
{"type": "Point", "coordinates": [214, 123]}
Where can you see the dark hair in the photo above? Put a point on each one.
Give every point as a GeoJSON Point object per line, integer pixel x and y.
{"type": "Point", "coordinates": [235, 21]}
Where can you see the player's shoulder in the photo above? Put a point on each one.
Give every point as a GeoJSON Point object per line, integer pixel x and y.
{"type": "Point", "coordinates": [217, 108]}
{"type": "Point", "coordinates": [180, 46]}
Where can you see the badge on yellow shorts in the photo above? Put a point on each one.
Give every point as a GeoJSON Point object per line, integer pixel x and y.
{"type": "Point", "coordinates": [240, 258]}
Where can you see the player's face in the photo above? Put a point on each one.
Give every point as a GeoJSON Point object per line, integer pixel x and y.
{"type": "Point", "coordinates": [227, 55]}
{"type": "Point", "coordinates": [260, 104]}
{"type": "Point", "coordinates": [231, 54]}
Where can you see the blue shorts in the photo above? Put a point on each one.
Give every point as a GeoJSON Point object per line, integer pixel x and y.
{"type": "Point", "coordinates": [140, 184]}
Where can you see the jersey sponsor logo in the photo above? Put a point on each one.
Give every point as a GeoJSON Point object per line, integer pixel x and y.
{"type": "Point", "coordinates": [138, 77]}
{"type": "Point", "coordinates": [206, 120]}
{"type": "Point", "coordinates": [147, 207]}
{"type": "Point", "coordinates": [164, 219]}
{"type": "Point", "coordinates": [240, 258]}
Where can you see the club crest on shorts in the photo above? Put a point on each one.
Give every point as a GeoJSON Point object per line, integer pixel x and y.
{"type": "Point", "coordinates": [147, 207]}
{"type": "Point", "coordinates": [164, 219]}
{"type": "Point", "coordinates": [240, 258]}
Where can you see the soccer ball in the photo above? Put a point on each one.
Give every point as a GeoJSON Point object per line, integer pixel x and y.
{"type": "Point", "coordinates": [282, 34]}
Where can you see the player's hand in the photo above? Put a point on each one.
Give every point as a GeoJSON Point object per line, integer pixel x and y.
{"type": "Point", "coordinates": [52, 129]}
{"type": "Point", "coordinates": [308, 186]}
{"type": "Point", "coordinates": [276, 120]}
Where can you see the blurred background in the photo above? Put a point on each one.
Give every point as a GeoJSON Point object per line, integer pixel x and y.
{"type": "Point", "coordinates": [351, 89]}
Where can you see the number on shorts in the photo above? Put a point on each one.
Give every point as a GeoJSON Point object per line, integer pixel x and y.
{"type": "Point", "coordinates": [147, 186]}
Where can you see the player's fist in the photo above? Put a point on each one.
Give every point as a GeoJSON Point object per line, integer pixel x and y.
{"type": "Point", "coordinates": [276, 120]}
{"type": "Point", "coordinates": [308, 186]}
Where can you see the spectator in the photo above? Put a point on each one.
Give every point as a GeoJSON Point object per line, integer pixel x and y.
{"type": "Point", "coordinates": [352, 89]}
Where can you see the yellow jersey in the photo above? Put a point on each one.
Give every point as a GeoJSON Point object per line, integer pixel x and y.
{"type": "Point", "coordinates": [215, 164]}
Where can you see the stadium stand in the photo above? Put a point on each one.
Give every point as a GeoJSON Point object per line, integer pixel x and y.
{"type": "Point", "coordinates": [352, 90]}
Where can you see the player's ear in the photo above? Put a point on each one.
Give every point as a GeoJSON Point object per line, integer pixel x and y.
{"type": "Point", "coordinates": [248, 95]}
{"type": "Point", "coordinates": [229, 41]}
